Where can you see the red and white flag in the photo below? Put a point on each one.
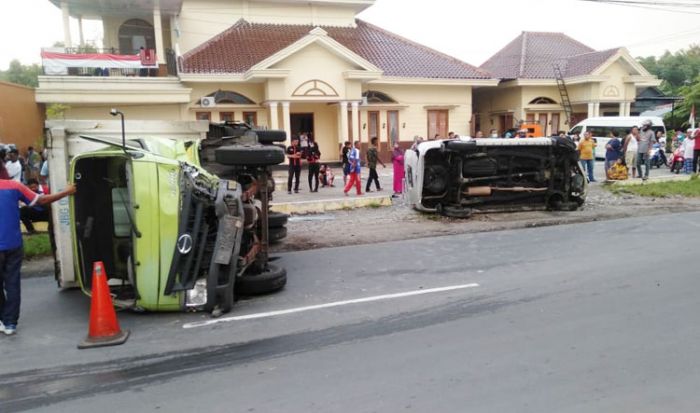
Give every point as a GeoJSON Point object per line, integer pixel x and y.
{"type": "Point", "coordinates": [691, 120]}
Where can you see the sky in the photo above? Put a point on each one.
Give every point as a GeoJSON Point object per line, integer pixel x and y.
{"type": "Point", "coordinates": [470, 30]}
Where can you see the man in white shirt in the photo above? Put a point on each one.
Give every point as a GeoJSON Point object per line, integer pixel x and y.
{"type": "Point", "coordinates": [13, 166]}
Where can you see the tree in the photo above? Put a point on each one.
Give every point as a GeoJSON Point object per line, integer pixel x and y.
{"type": "Point", "coordinates": [27, 75]}
{"type": "Point", "coordinates": [680, 73]}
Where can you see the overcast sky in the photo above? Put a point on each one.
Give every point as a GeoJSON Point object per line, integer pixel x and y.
{"type": "Point", "coordinates": [470, 30]}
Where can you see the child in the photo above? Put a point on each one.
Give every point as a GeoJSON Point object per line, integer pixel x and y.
{"type": "Point", "coordinates": [327, 176]}
{"type": "Point", "coordinates": [617, 172]}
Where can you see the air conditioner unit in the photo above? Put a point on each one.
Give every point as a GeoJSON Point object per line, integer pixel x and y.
{"type": "Point", "coordinates": [208, 102]}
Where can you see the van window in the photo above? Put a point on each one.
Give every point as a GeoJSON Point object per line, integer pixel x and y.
{"type": "Point", "coordinates": [575, 130]}
{"type": "Point", "coordinates": [605, 131]}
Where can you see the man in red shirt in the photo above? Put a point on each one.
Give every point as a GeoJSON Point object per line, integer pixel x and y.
{"type": "Point", "coordinates": [11, 249]}
{"type": "Point", "coordinates": [696, 151]}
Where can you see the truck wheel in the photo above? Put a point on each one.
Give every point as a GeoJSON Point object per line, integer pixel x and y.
{"type": "Point", "coordinates": [454, 212]}
{"type": "Point", "coordinates": [268, 137]}
{"type": "Point", "coordinates": [266, 282]}
{"type": "Point", "coordinates": [243, 155]}
{"type": "Point", "coordinates": [276, 219]}
{"type": "Point", "coordinates": [277, 234]}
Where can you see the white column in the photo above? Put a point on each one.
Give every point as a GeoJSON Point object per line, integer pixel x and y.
{"type": "Point", "coordinates": [342, 135]}
{"type": "Point", "coordinates": [67, 42]}
{"type": "Point", "coordinates": [591, 109]}
{"type": "Point", "coordinates": [174, 40]}
{"type": "Point", "coordinates": [628, 109]}
{"type": "Point", "coordinates": [274, 115]}
{"type": "Point", "coordinates": [287, 122]}
{"type": "Point", "coordinates": [158, 31]}
{"type": "Point", "coordinates": [596, 109]}
{"type": "Point", "coordinates": [80, 31]}
{"type": "Point", "coordinates": [355, 121]}
{"type": "Point", "coordinates": [623, 107]}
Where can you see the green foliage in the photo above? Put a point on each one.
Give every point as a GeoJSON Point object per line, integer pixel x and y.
{"type": "Point", "coordinates": [56, 111]}
{"type": "Point", "coordinates": [680, 73]}
{"type": "Point", "coordinates": [689, 189]}
{"type": "Point", "coordinates": [37, 245]}
{"type": "Point", "coordinates": [27, 75]}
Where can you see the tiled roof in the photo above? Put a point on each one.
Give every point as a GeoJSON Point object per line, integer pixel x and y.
{"type": "Point", "coordinates": [532, 55]}
{"type": "Point", "coordinates": [245, 44]}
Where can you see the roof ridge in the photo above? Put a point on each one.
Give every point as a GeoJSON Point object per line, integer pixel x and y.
{"type": "Point", "coordinates": [515, 40]}
{"type": "Point", "coordinates": [595, 51]}
{"type": "Point", "coordinates": [523, 53]}
{"type": "Point", "coordinates": [240, 22]}
{"type": "Point", "coordinates": [424, 47]}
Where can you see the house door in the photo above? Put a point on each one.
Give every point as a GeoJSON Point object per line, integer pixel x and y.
{"type": "Point", "coordinates": [543, 122]}
{"type": "Point", "coordinates": [372, 126]}
{"type": "Point", "coordinates": [555, 123]}
{"type": "Point", "coordinates": [438, 123]}
{"type": "Point", "coordinates": [302, 122]}
{"type": "Point", "coordinates": [392, 127]}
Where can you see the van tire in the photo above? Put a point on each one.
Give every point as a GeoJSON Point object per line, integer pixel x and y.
{"type": "Point", "coordinates": [244, 155]}
{"type": "Point", "coordinates": [276, 234]}
{"type": "Point", "coordinates": [269, 137]}
{"type": "Point", "coordinates": [276, 219]}
{"type": "Point", "coordinates": [274, 279]}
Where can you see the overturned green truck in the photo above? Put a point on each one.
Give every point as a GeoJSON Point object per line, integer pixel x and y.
{"type": "Point", "coordinates": [172, 235]}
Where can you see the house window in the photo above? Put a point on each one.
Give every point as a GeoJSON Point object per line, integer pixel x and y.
{"type": "Point", "coordinates": [555, 123]}
{"type": "Point", "coordinates": [530, 118]}
{"type": "Point", "coordinates": [543, 122]}
{"type": "Point", "coordinates": [203, 116]}
{"type": "Point", "coordinates": [543, 101]}
{"type": "Point", "coordinates": [251, 118]}
{"type": "Point", "coordinates": [438, 123]}
{"type": "Point", "coordinates": [392, 127]}
{"type": "Point", "coordinates": [226, 116]}
{"type": "Point", "coordinates": [372, 125]}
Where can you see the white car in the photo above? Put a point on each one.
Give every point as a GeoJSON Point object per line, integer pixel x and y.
{"type": "Point", "coordinates": [461, 176]}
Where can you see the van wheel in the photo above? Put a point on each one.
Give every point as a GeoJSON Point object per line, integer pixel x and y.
{"type": "Point", "coordinates": [274, 279]}
{"type": "Point", "coordinates": [276, 219]}
{"type": "Point", "coordinates": [269, 137]}
{"type": "Point", "coordinates": [277, 234]}
{"type": "Point", "coordinates": [243, 155]}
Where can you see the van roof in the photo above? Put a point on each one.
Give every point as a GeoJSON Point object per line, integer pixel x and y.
{"type": "Point", "coordinates": [621, 121]}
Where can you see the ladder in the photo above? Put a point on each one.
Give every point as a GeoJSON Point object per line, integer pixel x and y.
{"type": "Point", "coordinates": [565, 101]}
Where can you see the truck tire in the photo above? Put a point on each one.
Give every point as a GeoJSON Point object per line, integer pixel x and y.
{"type": "Point", "coordinates": [269, 137]}
{"type": "Point", "coordinates": [244, 155]}
{"type": "Point", "coordinates": [276, 219]}
{"type": "Point", "coordinates": [266, 282]}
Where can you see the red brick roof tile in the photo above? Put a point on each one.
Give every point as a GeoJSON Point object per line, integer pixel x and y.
{"type": "Point", "coordinates": [532, 55]}
{"type": "Point", "coordinates": [245, 44]}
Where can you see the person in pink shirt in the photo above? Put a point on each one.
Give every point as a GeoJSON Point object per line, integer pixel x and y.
{"type": "Point", "coordinates": [696, 152]}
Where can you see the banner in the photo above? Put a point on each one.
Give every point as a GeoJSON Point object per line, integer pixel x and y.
{"type": "Point", "coordinates": [58, 63]}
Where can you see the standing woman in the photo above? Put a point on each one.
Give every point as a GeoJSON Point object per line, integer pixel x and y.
{"type": "Point", "coordinates": [397, 160]}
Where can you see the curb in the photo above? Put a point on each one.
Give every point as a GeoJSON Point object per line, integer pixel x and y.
{"type": "Point", "coordinates": [319, 206]}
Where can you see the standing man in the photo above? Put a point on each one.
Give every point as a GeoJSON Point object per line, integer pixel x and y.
{"type": "Point", "coordinates": [372, 159]}
{"type": "Point", "coordinates": [294, 156]}
{"type": "Point", "coordinates": [647, 139]}
{"type": "Point", "coordinates": [630, 149]}
{"type": "Point", "coordinates": [354, 160]}
{"type": "Point", "coordinates": [586, 151]}
{"type": "Point", "coordinates": [11, 249]}
{"type": "Point", "coordinates": [33, 164]}
{"type": "Point", "coordinates": [313, 155]}
{"type": "Point", "coordinates": [14, 166]}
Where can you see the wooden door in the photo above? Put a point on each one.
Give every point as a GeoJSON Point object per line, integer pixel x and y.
{"type": "Point", "coordinates": [372, 125]}
{"type": "Point", "coordinates": [555, 123]}
{"type": "Point", "coordinates": [392, 127]}
{"type": "Point", "coordinates": [543, 122]}
{"type": "Point", "coordinates": [438, 123]}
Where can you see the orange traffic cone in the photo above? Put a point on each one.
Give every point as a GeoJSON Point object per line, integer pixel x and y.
{"type": "Point", "coordinates": [104, 328]}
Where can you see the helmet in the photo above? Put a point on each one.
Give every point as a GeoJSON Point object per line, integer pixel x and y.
{"type": "Point", "coordinates": [646, 123]}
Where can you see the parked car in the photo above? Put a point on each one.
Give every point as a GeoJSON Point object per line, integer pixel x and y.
{"type": "Point", "coordinates": [172, 235]}
{"type": "Point", "coordinates": [458, 177]}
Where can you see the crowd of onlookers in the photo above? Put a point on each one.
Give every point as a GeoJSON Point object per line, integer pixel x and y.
{"type": "Point", "coordinates": [30, 169]}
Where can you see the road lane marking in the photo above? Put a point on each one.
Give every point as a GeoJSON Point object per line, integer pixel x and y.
{"type": "Point", "coordinates": [327, 305]}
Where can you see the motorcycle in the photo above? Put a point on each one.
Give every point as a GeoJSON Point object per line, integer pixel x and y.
{"type": "Point", "coordinates": [658, 156]}
{"type": "Point", "coordinates": [677, 161]}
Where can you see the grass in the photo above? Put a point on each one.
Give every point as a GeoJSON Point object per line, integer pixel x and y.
{"type": "Point", "coordinates": [374, 205]}
{"type": "Point", "coordinates": [37, 245]}
{"type": "Point", "coordinates": [688, 189]}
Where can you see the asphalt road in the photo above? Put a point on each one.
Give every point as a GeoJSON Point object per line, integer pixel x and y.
{"type": "Point", "coordinates": [596, 317]}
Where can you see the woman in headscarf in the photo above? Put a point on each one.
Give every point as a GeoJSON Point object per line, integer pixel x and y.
{"type": "Point", "coordinates": [397, 160]}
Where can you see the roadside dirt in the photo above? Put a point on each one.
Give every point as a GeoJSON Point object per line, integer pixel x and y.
{"type": "Point", "coordinates": [399, 222]}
